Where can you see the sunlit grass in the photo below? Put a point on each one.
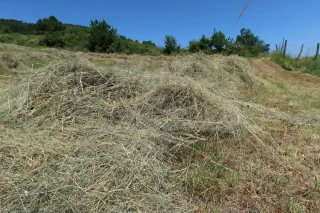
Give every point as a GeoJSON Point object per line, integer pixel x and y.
{"type": "Point", "coordinates": [99, 132]}
{"type": "Point", "coordinates": [307, 64]}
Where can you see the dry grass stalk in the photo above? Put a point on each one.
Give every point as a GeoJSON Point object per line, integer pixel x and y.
{"type": "Point", "coordinates": [104, 135]}
{"type": "Point", "coordinates": [148, 134]}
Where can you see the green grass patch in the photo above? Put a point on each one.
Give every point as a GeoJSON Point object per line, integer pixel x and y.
{"type": "Point", "coordinates": [313, 67]}
{"type": "Point", "coordinates": [286, 62]}
{"type": "Point", "coordinates": [19, 39]}
{"type": "Point", "coordinates": [306, 65]}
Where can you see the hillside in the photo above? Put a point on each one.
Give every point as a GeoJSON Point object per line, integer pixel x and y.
{"type": "Point", "coordinates": [50, 32]}
{"type": "Point", "coordinates": [20, 27]}
{"type": "Point", "coordinates": [90, 132]}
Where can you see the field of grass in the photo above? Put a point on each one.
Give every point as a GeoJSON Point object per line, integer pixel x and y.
{"type": "Point", "coordinates": [86, 132]}
{"type": "Point", "coordinates": [307, 64]}
{"type": "Point", "coordinates": [19, 39]}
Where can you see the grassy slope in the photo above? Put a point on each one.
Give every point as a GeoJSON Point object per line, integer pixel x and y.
{"type": "Point", "coordinates": [307, 64]}
{"type": "Point", "coordinates": [279, 171]}
{"type": "Point", "coordinates": [274, 168]}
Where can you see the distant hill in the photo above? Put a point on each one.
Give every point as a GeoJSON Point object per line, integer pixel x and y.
{"type": "Point", "coordinates": [15, 26]}
{"type": "Point", "coordinates": [70, 36]}
{"type": "Point", "coordinates": [23, 33]}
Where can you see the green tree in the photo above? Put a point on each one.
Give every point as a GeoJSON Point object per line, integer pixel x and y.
{"type": "Point", "coordinates": [49, 25]}
{"type": "Point", "coordinates": [53, 39]}
{"type": "Point", "coordinates": [219, 41]}
{"type": "Point", "coordinates": [149, 43]}
{"type": "Point", "coordinates": [14, 26]}
{"type": "Point", "coordinates": [52, 29]}
{"type": "Point", "coordinates": [102, 36]}
{"type": "Point", "coordinates": [203, 45]}
{"type": "Point", "coordinates": [251, 43]}
{"type": "Point", "coordinates": [76, 37]}
{"type": "Point", "coordinates": [171, 45]}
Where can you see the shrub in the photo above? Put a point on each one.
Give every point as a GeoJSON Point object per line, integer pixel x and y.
{"type": "Point", "coordinates": [204, 45]}
{"type": "Point", "coordinates": [52, 29]}
{"type": "Point", "coordinates": [234, 48]}
{"type": "Point", "coordinates": [219, 41]}
{"type": "Point", "coordinates": [171, 45]}
{"type": "Point", "coordinates": [51, 24]}
{"type": "Point", "coordinates": [102, 36]}
{"type": "Point", "coordinates": [252, 44]}
{"type": "Point", "coordinates": [53, 40]}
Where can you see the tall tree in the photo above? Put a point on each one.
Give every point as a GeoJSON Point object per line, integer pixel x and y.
{"type": "Point", "coordinates": [102, 36]}
{"type": "Point", "coordinates": [51, 24]}
{"type": "Point", "coordinates": [219, 41]}
{"type": "Point", "coordinates": [251, 43]}
{"type": "Point", "coordinates": [52, 29]}
{"type": "Point", "coordinates": [204, 45]}
{"type": "Point", "coordinates": [171, 45]}
{"type": "Point", "coordinates": [14, 26]}
{"type": "Point", "coordinates": [149, 43]}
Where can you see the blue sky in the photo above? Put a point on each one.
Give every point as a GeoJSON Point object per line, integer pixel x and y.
{"type": "Point", "coordinates": [296, 20]}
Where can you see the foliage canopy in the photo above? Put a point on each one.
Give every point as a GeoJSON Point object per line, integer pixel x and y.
{"type": "Point", "coordinates": [246, 44]}
{"type": "Point", "coordinates": [251, 43]}
{"type": "Point", "coordinates": [51, 24]}
{"type": "Point", "coordinates": [102, 36]}
{"type": "Point", "coordinates": [171, 45]}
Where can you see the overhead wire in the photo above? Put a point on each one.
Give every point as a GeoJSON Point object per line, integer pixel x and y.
{"type": "Point", "coordinates": [242, 13]}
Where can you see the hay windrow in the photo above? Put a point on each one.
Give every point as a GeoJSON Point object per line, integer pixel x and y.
{"type": "Point", "coordinates": [96, 139]}
{"type": "Point", "coordinates": [185, 110]}
{"type": "Point", "coordinates": [3, 66]}
{"type": "Point", "coordinates": [224, 76]}
{"type": "Point", "coordinates": [9, 60]}
{"type": "Point", "coordinates": [70, 88]}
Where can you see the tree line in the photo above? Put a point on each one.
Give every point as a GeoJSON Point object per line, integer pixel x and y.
{"type": "Point", "coordinates": [101, 37]}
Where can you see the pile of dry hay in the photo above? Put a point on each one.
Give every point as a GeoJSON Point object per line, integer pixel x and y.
{"type": "Point", "coordinates": [8, 61]}
{"type": "Point", "coordinates": [83, 138]}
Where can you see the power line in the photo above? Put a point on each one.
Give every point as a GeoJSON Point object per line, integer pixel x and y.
{"type": "Point", "coordinates": [242, 13]}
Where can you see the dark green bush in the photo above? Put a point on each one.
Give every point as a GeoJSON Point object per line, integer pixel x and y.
{"type": "Point", "coordinates": [219, 41]}
{"type": "Point", "coordinates": [171, 45]}
{"type": "Point", "coordinates": [52, 29]}
{"type": "Point", "coordinates": [14, 26]}
{"type": "Point", "coordinates": [102, 36]}
{"type": "Point", "coordinates": [53, 40]}
{"type": "Point", "coordinates": [252, 44]}
{"type": "Point", "coordinates": [48, 25]}
{"type": "Point", "coordinates": [204, 45]}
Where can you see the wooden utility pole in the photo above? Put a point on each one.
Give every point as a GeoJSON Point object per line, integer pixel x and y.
{"type": "Point", "coordinates": [317, 53]}
{"type": "Point", "coordinates": [277, 50]}
{"type": "Point", "coordinates": [285, 48]}
{"type": "Point", "coordinates": [300, 51]}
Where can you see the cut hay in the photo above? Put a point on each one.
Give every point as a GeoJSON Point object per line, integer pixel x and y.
{"type": "Point", "coordinates": [3, 66]}
{"type": "Point", "coordinates": [9, 60]}
{"type": "Point", "coordinates": [223, 75]}
{"type": "Point", "coordinates": [192, 112]}
{"type": "Point", "coordinates": [83, 138]}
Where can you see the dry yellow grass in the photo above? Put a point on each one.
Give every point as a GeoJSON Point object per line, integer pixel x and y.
{"type": "Point", "coordinates": [101, 133]}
